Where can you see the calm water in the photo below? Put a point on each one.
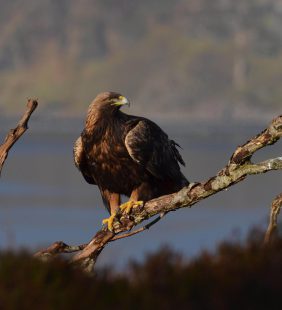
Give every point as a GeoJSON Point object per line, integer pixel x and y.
{"type": "Point", "coordinates": [44, 198]}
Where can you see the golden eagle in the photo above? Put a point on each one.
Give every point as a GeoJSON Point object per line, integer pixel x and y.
{"type": "Point", "coordinates": [126, 155]}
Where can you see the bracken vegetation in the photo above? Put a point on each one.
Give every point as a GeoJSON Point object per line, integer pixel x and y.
{"type": "Point", "coordinates": [236, 276]}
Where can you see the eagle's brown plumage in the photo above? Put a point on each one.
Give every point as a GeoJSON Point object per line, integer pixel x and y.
{"type": "Point", "coordinates": [126, 155]}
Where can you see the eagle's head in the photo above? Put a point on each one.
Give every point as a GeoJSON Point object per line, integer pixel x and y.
{"type": "Point", "coordinates": [102, 107]}
{"type": "Point", "coordinates": [108, 102]}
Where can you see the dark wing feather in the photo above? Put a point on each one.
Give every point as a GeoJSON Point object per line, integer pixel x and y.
{"type": "Point", "coordinates": [81, 162]}
{"type": "Point", "coordinates": [149, 146]}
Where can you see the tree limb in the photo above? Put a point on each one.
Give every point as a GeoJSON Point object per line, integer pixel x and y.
{"type": "Point", "coordinates": [57, 248]}
{"type": "Point", "coordinates": [137, 231]}
{"type": "Point", "coordinates": [16, 133]}
{"type": "Point", "coordinates": [238, 167]}
{"type": "Point", "coordinates": [272, 226]}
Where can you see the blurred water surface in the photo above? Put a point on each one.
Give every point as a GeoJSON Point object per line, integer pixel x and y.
{"type": "Point", "coordinates": [43, 198]}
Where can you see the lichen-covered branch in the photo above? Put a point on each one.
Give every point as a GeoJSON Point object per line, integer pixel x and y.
{"type": "Point", "coordinates": [237, 169]}
{"type": "Point", "coordinates": [274, 212]}
{"type": "Point", "coordinates": [16, 133]}
{"type": "Point", "coordinates": [139, 230]}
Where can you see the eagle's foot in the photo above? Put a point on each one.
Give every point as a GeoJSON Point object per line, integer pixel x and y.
{"type": "Point", "coordinates": [124, 208]}
{"type": "Point", "coordinates": [129, 205]}
{"type": "Point", "coordinates": [109, 221]}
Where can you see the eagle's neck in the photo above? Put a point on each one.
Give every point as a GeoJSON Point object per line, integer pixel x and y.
{"type": "Point", "coordinates": [99, 121]}
{"type": "Point", "coordinates": [92, 119]}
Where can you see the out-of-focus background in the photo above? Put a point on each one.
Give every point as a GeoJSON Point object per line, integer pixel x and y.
{"type": "Point", "coordinates": [209, 72]}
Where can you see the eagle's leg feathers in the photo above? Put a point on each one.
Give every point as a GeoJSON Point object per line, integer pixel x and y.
{"type": "Point", "coordinates": [129, 205]}
{"type": "Point", "coordinates": [112, 202]}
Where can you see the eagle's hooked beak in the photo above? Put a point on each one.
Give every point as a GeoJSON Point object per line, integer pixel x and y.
{"type": "Point", "coordinates": [121, 101]}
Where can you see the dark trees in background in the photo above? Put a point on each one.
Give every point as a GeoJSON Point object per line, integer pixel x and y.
{"type": "Point", "coordinates": [237, 276]}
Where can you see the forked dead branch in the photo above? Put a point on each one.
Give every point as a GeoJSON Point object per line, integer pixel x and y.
{"type": "Point", "coordinates": [16, 133]}
{"type": "Point", "coordinates": [236, 170]}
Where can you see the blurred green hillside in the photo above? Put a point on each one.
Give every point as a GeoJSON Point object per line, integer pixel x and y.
{"type": "Point", "coordinates": [198, 58]}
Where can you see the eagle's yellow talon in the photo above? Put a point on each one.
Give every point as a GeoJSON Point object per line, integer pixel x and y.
{"type": "Point", "coordinates": [125, 208]}
{"type": "Point", "coordinates": [129, 205]}
{"type": "Point", "coordinates": [109, 221]}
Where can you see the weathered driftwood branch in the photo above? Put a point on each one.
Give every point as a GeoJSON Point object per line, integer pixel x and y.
{"type": "Point", "coordinates": [274, 212]}
{"type": "Point", "coordinates": [16, 133]}
{"type": "Point", "coordinates": [238, 167]}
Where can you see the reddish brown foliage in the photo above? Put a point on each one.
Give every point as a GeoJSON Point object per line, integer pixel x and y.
{"type": "Point", "coordinates": [236, 276]}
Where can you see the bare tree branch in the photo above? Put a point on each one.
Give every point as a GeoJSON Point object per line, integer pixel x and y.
{"type": "Point", "coordinates": [59, 247]}
{"type": "Point", "coordinates": [16, 133]}
{"type": "Point", "coordinates": [238, 167]}
{"type": "Point", "coordinates": [137, 231]}
{"type": "Point", "coordinates": [274, 212]}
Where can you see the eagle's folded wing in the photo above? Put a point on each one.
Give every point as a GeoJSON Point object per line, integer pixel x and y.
{"type": "Point", "coordinates": [149, 146]}
{"type": "Point", "coordinates": [80, 161]}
